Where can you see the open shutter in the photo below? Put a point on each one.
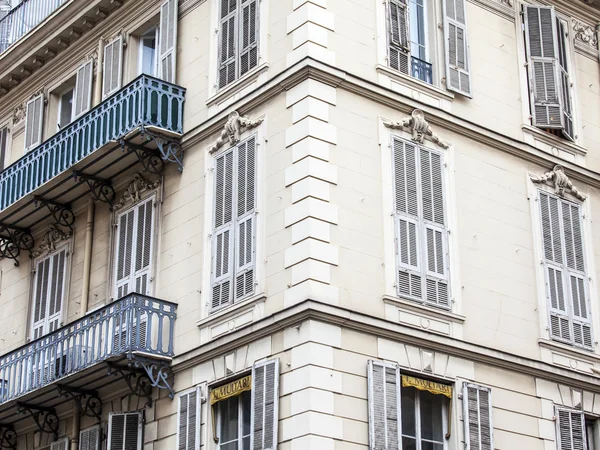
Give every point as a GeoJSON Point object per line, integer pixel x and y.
{"type": "Point", "coordinates": [83, 88]}
{"type": "Point", "coordinates": [124, 431]}
{"type": "Point", "coordinates": [565, 81]}
{"type": "Point", "coordinates": [168, 40]}
{"type": "Point", "coordinates": [113, 60]}
{"type": "Point", "coordinates": [399, 49]}
{"type": "Point", "coordinates": [40, 302]}
{"type": "Point", "coordinates": [34, 117]}
{"type": "Point", "coordinates": [61, 444]}
{"type": "Point", "coordinates": [265, 405]}
{"type": "Point", "coordinates": [125, 229]}
{"type": "Point", "coordinates": [384, 406]}
{"type": "Point", "coordinates": [458, 77]}
{"type": "Point", "coordinates": [248, 36]}
{"type": "Point", "coordinates": [89, 438]}
{"type": "Point", "coordinates": [144, 216]}
{"type": "Point", "coordinates": [570, 430]}
{"type": "Point", "coordinates": [227, 42]}
{"type": "Point", "coordinates": [56, 289]}
{"type": "Point", "coordinates": [189, 421]}
{"type": "Point", "coordinates": [3, 146]}
{"type": "Point", "coordinates": [477, 417]}
{"type": "Point", "coordinates": [540, 38]}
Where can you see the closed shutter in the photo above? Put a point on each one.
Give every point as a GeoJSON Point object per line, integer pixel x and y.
{"type": "Point", "coordinates": [398, 48]}
{"type": "Point", "coordinates": [124, 431]}
{"type": "Point", "coordinates": [265, 405]}
{"type": "Point", "coordinates": [168, 40]}
{"type": "Point", "coordinates": [570, 429]}
{"type": "Point", "coordinates": [565, 81]}
{"type": "Point", "coordinates": [540, 38]}
{"type": "Point", "coordinates": [89, 438]}
{"type": "Point", "coordinates": [189, 421]}
{"type": "Point", "coordinates": [227, 42]}
{"type": "Point", "coordinates": [61, 444]}
{"type": "Point", "coordinates": [113, 61]}
{"type": "Point", "coordinates": [83, 88]}
{"type": "Point", "coordinates": [384, 406]}
{"type": "Point", "coordinates": [248, 36]}
{"type": "Point", "coordinates": [143, 248]}
{"type": "Point", "coordinates": [3, 146]}
{"type": "Point", "coordinates": [477, 417]}
{"type": "Point", "coordinates": [34, 117]}
{"type": "Point", "coordinates": [458, 77]}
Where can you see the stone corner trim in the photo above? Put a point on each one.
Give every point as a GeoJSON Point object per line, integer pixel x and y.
{"type": "Point", "coordinates": [419, 128]}
{"type": "Point", "coordinates": [233, 127]}
{"type": "Point", "coordinates": [558, 177]}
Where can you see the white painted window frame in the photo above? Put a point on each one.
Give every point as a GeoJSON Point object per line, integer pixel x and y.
{"type": "Point", "coordinates": [8, 147]}
{"type": "Point", "coordinates": [240, 424]}
{"type": "Point", "coordinates": [417, 410]}
{"type": "Point", "coordinates": [141, 40]}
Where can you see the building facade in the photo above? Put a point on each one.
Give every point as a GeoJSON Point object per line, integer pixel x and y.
{"type": "Point", "coordinates": [299, 224]}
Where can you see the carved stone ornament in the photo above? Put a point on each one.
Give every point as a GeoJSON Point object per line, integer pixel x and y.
{"type": "Point", "coordinates": [507, 2]}
{"type": "Point", "coordinates": [51, 239]}
{"type": "Point", "coordinates": [558, 177]}
{"type": "Point", "coordinates": [134, 190]}
{"type": "Point", "coordinates": [19, 114]}
{"type": "Point", "coordinates": [419, 127]}
{"type": "Point", "coordinates": [585, 34]}
{"type": "Point", "coordinates": [233, 127]}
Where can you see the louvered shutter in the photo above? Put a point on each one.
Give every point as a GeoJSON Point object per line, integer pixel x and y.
{"type": "Point", "coordinates": [458, 77]}
{"type": "Point", "coordinates": [56, 289]}
{"type": "Point", "coordinates": [40, 304]}
{"type": "Point", "coordinates": [227, 42]}
{"type": "Point", "coordinates": [124, 431]}
{"type": "Point", "coordinates": [124, 250]}
{"type": "Point", "coordinates": [34, 117]}
{"type": "Point", "coordinates": [3, 146]}
{"type": "Point", "coordinates": [168, 40]}
{"type": "Point", "coordinates": [89, 438]}
{"type": "Point", "coordinates": [540, 37]}
{"type": "Point", "coordinates": [113, 61]}
{"type": "Point", "coordinates": [398, 48]}
{"type": "Point", "coordinates": [570, 429]}
{"type": "Point", "coordinates": [248, 36]}
{"type": "Point", "coordinates": [144, 217]}
{"type": "Point", "coordinates": [384, 406]}
{"type": "Point", "coordinates": [49, 290]}
{"type": "Point", "coordinates": [189, 421]}
{"type": "Point", "coordinates": [565, 81]}
{"type": "Point", "coordinates": [223, 235]}
{"type": "Point", "coordinates": [477, 417]}
{"type": "Point", "coordinates": [61, 444]}
{"type": "Point", "coordinates": [83, 88]}
{"type": "Point", "coordinates": [265, 405]}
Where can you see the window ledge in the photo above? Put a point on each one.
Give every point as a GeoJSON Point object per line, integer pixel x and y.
{"type": "Point", "coordinates": [237, 85]}
{"type": "Point", "coordinates": [415, 83]}
{"type": "Point", "coordinates": [553, 141]}
{"type": "Point", "coordinates": [231, 310]}
{"type": "Point", "coordinates": [574, 352]}
{"type": "Point", "coordinates": [423, 309]}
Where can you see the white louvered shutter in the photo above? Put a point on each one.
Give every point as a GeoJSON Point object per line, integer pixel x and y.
{"type": "Point", "coordinates": [477, 417]}
{"type": "Point", "coordinates": [124, 249]}
{"type": "Point", "coordinates": [248, 44]}
{"type": "Point", "coordinates": [398, 37]}
{"type": "Point", "coordinates": [458, 77]}
{"type": "Point", "coordinates": [168, 40]}
{"type": "Point", "coordinates": [228, 42]}
{"type": "Point", "coordinates": [570, 429]}
{"type": "Point", "coordinates": [542, 49]}
{"type": "Point", "coordinates": [34, 121]}
{"type": "Point", "coordinates": [61, 444]}
{"type": "Point", "coordinates": [265, 405]}
{"type": "Point", "coordinates": [89, 438]}
{"type": "Point", "coordinates": [223, 234]}
{"type": "Point", "coordinates": [124, 431]}
{"type": "Point", "coordinates": [83, 88]}
{"type": "Point", "coordinates": [565, 81]}
{"type": "Point", "coordinates": [189, 421]}
{"type": "Point", "coordinates": [142, 269]}
{"type": "Point", "coordinates": [49, 290]}
{"type": "Point", "coordinates": [384, 406]}
{"type": "Point", "coordinates": [3, 146]}
{"type": "Point", "coordinates": [113, 62]}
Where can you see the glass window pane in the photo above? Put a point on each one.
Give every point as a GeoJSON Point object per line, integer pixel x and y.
{"type": "Point", "coordinates": [231, 446]}
{"type": "Point", "coordinates": [431, 416]}
{"type": "Point", "coordinates": [66, 108]}
{"type": "Point", "coordinates": [246, 403]}
{"type": "Point", "coordinates": [148, 55]}
{"type": "Point", "coordinates": [246, 443]}
{"type": "Point", "coordinates": [409, 443]}
{"type": "Point", "coordinates": [431, 446]}
{"type": "Point", "coordinates": [228, 410]}
{"type": "Point", "coordinates": [408, 412]}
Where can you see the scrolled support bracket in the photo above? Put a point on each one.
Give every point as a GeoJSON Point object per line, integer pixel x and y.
{"type": "Point", "coordinates": [89, 403]}
{"type": "Point", "coordinates": [62, 214]}
{"type": "Point", "coordinates": [8, 437]}
{"type": "Point", "coordinates": [45, 419]}
{"type": "Point", "coordinates": [100, 189]}
{"type": "Point", "coordinates": [170, 149]}
{"type": "Point", "coordinates": [151, 160]}
{"type": "Point", "coordinates": [136, 380]}
{"type": "Point", "coordinates": [13, 240]}
{"type": "Point", "coordinates": [159, 372]}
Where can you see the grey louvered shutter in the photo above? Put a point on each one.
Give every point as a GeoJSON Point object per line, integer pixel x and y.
{"type": "Point", "coordinates": [83, 88]}
{"type": "Point", "coordinates": [124, 253]}
{"type": "Point", "coordinates": [265, 405]}
{"type": "Point", "coordinates": [61, 444]}
{"type": "Point", "coordinates": [124, 431]}
{"type": "Point", "coordinates": [540, 39]}
{"type": "Point", "coordinates": [570, 429]}
{"type": "Point", "coordinates": [113, 62]}
{"type": "Point", "coordinates": [385, 429]}
{"type": "Point", "coordinates": [477, 417]}
{"type": "Point", "coordinates": [144, 237]}
{"type": "Point", "coordinates": [458, 77]}
{"type": "Point", "coordinates": [189, 421]}
{"type": "Point", "coordinates": [246, 218]}
{"type": "Point", "coordinates": [49, 288]}
{"type": "Point", "coordinates": [40, 303]}
{"type": "Point", "coordinates": [565, 81]}
{"type": "Point", "coordinates": [3, 146]}
{"type": "Point", "coordinates": [248, 36]}
{"type": "Point", "coordinates": [34, 121]}
{"type": "Point", "coordinates": [398, 42]}
{"type": "Point", "coordinates": [227, 42]}
{"type": "Point", "coordinates": [56, 289]}
{"type": "Point", "coordinates": [407, 225]}
{"type": "Point", "coordinates": [89, 438]}
{"type": "Point", "coordinates": [222, 245]}
{"type": "Point", "coordinates": [168, 40]}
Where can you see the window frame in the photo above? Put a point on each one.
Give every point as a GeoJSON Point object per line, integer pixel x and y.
{"type": "Point", "coordinates": [146, 36]}
{"type": "Point", "coordinates": [59, 108]}
{"type": "Point", "coordinates": [417, 410]}
{"type": "Point", "coordinates": [240, 418]}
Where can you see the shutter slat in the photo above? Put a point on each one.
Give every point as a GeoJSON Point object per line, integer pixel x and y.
{"type": "Point", "coordinates": [384, 406]}
{"type": "Point", "coordinates": [249, 36]}
{"type": "Point", "coordinates": [458, 76]}
{"type": "Point", "coordinates": [477, 413]}
{"type": "Point", "coordinates": [168, 40]}
{"type": "Point", "coordinates": [227, 43]}
{"type": "Point", "coordinates": [265, 405]}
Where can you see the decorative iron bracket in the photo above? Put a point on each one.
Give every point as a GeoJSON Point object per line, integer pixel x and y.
{"type": "Point", "coordinates": [100, 189]}
{"type": "Point", "coordinates": [159, 372]}
{"type": "Point", "coordinates": [13, 240]}
{"type": "Point", "coordinates": [45, 418]}
{"type": "Point", "coordinates": [62, 214]}
{"type": "Point", "coordinates": [8, 437]}
{"type": "Point", "coordinates": [90, 404]}
{"type": "Point", "coordinates": [136, 380]}
{"type": "Point", "coordinates": [169, 148]}
{"type": "Point", "coordinates": [150, 159]}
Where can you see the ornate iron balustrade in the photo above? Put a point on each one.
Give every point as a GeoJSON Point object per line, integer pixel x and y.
{"type": "Point", "coordinates": [135, 323]}
{"type": "Point", "coordinates": [144, 102]}
{"type": "Point", "coordinates": [23, 18]}
{"type": "Point", "coordinates": [422, 70]}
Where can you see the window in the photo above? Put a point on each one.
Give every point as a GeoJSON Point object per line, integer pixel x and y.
{"type": "Point", "coordinates": [423, 419]}
{"type": "Point", "coordinates": [4, 133]}
{"type": "Point", "coordinates": [233, 236]}
{"type": "Point", "coordinates": [238, 39]}
{"type": "Point", "coordinates": [570, 429]}
{"type": "Point", "coordinates": [124, 431]}
{"type": "Point", "coordinates": [147, 57]}
{"type": "Point", "coordinates": [591, 435]}
{"type": "Point", "coordinates": [565, 271]}
{"type": "Point", "coordinates": [65, 108]}
{"type": "Point", "coordinates": [420, 224]}
{"type": "Point", "coordinates": [233, 422]}
{"type": "Point", "coordinates": [88, 438]}
{"type": "Point", "coordinates": [548, 71]}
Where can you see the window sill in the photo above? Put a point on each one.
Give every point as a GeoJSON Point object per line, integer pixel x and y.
{"type": "Point", "coordinates": [554, 142]}
{"type": "Point", "coordinates": [574, 352]}
{"type": "Point", "coordinates": [414, 83]}
{"type": "Point", "coordinates": [230, 311]}
{"type": "Point", "coordinates": [237, 85]}
{"type": "Point", "coordinates": [423, 309]}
